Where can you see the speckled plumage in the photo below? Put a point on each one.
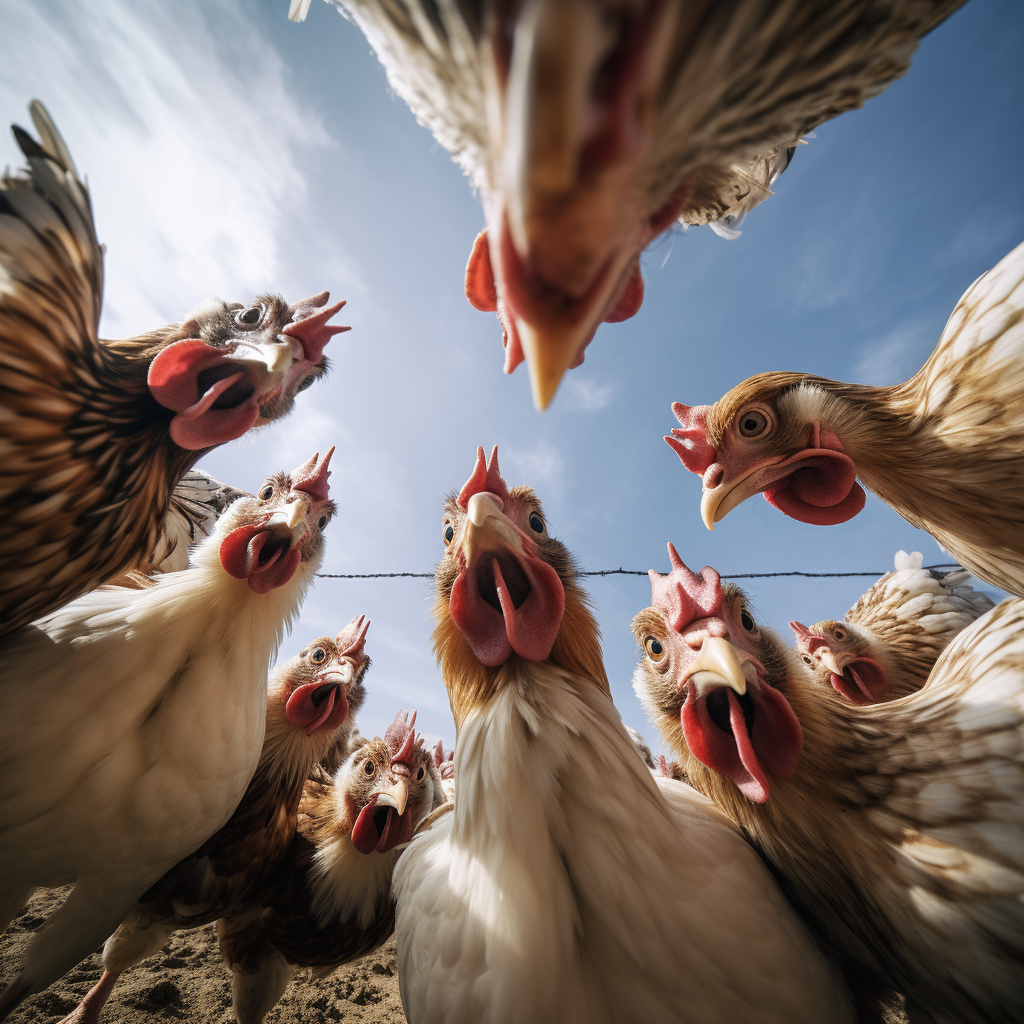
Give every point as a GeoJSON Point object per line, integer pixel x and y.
{"type": "Point", "coordinates": [904, 621]}
{"type": "Point", "coordinates": [901, 833]}
{"type": "Point", "coordinates": [87, 467]}
{"type": "Point", "coordinates": [945, 449]}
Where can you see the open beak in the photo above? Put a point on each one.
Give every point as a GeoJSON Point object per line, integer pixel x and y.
{"type": "Point", "coordinates": [396, 796]}
{"type": "Point", "coordinates": [719, 663]}
{"type": "Point", "coordinates": [718, 501]}
{"type": "Point", "coordinates": [293, 519]}
{"type": "Point", "coordinates": [487, 525]}
{"type": "Point", "coordinates": [831, 661]}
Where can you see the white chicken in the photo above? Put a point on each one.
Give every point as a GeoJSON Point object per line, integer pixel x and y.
{"type": "Point", "coordinates": [567, 884]}
{"type": "Point", "coordinates": [134, 719]}
{"type": "Point", "coordinates": [891, 638]}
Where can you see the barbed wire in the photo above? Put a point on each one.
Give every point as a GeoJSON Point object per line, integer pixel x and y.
{"type": "Point", "coordinates": [946, 566]}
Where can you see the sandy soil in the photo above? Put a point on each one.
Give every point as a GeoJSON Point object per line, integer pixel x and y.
{"type": "Point", "coordinates": [188, 982]}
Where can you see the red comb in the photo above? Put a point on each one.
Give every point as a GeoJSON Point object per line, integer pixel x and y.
{"type": "Point", "coordinates": [401, 738]}
{"type": "Point", "coordinates": [440, 757]}
{"type": "Point", "coordinates": [311, 328]}
{"type": "Point", "coordinates": [685, 596]}
{"type": "Point", "coordinates": [351, 639]}
{"type": "Point", "coordinates": [690, 441]}
{"type": "Point", "coordinates": [663, 768]}
{"type": "Point", "coordinates": [485, 477]}
{"type": "Point", "coordinates": [313, 480]}
{"type": "Point", "coordinates": [812, 640]}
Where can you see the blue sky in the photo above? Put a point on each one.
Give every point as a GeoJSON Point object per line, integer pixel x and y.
{"type": "Point", "coordinates": [230, 151]}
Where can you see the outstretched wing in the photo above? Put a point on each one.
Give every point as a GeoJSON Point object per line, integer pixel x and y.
{"type": "Point", "coordinates": [51, 287]}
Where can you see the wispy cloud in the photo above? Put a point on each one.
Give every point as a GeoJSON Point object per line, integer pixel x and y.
{"type": "Point", "coordinates": [541, 465]}
{"type": "Point", "coordinates": [895, 357]}
{"type": "Point", "coordinates": [585, 394]}
{"type": "Point", "coordinates": [189, 114]}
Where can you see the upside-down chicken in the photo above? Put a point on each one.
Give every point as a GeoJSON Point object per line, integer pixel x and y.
{"type": "Point", "coordinates": [329, 901]}
{"type": "Point", "coordinates": [898, 827]}
{"type": "Point", "coordinates": [891, 638]}
{"type": "Point", "coordinates": [311, 702]}
{"type": "Point", "coordinates": [588, 127]}
{"type": "Point", "coordinates": [567, 883]}
{"type": "Point", "coordinates": [133, 719]}
{"type": "Point", "coordinates": [96, 434]}
{"type": "Point", "coordinates": [945, 449]}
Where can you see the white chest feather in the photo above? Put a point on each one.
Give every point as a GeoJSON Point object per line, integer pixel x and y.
{"type": "Point", "coordinates": [566, 887]}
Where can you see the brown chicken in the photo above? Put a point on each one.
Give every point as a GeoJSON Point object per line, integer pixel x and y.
{"type": "Point", "coordinates": [892, 636]}
{"type": "Point", "coordinates": [329, 900]}
{"type": "Point", "coordinates": [96, 434]}
{"type": "Point", "coordinates": [588, 127]}
{"type": "Point", "coordinates": [311, 703]}
{"type": "Point", "coordinates": [945, 449]}
{"type": "Point", "coordinates": [898, 828]}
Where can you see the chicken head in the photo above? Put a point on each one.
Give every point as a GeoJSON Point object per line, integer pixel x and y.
{"type": "Point", "coordinates": [836, 651]}
{"type": "Point", "coordinates": [767, 435]}
{"type": "Point", "coordinates": [270, 534]}
{"type": "Point", "coordinates": [236, 367]}
{"type": "Point", "coordinates": [704, 667]}
{"type": "Point", "coordinates": [322, 685]}
{"type": "Point", "coordinates": [386, 787]}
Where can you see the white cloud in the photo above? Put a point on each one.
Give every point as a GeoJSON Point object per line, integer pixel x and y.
{"type": "Point", "coordinates": [585, 394]}
{"type": "Point", "coordinates": [196, 140]}
{"type": "Point", "coordinates": [895, 357]}
{"type": "Point", "coordinates": [541, 465]}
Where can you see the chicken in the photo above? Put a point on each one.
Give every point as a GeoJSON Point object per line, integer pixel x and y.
{"type": "Point", "coordinates": [444, 762]}
{"type": "Point", "coordinates": [330, 899]}
{"type": "Point", "coordinates": [892, 636]}
{"type": "Point", "coordinates": [641, 747]}
{"type": "Point", "coordinates": [589, 127]}
{"type": "Point", "coordinates": [311, 702]}
{"type": "Point", "coordinates": [898, 827]}
{"type": "Point", "coordinates": [944, 449]}
{"type": "Point", "coordinates": [567, 884]}
{"type": "Point", "coordinates": [134, 719]}
{"type": "Point", "coordinates": [97, 434]}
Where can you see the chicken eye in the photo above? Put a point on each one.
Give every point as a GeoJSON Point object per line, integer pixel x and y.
{"type": "Point", "coordinates": [318, 655]}
{"type": "Point", "coordinates": [249, 317]}
{"type": "Point", "coordinates": [654, 648]}
{"type": "Point", "coordinates": [536, 523]}
{"type": "Point", "coordinates": [368, 768]}
{"type": "Point", "coordinates": [266, 493]}
{"type": "Point", "coordinates": [321, 523]}
{"type": "Point", "coordinates": [752, 423]}
{"type": "Point", "coordinates": [448, 533]}
{"type": "Point", "coordinates": [747, 621]}
{"type": "Point", "coordinates": [420, 774]}
{"type": "Point", "coordinates": [839, 633]}
{"type": "Point", "coordinates": [305, 383]}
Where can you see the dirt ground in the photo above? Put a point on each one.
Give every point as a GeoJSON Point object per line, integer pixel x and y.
{"type": "Point", "coordinates": [188, 982]}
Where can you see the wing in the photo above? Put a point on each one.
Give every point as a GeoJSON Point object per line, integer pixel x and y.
{"type": "Point", "coordinates": [948, 788]}
{"type": "Point", "coordinates": [914, 613]}
{"type": "Point", "coordinates": [82, 491]}
{"type": "Point", "coordinates": [196, 504]}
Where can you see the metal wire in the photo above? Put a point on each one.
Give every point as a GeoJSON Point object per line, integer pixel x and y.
{"type": "Point", "coordinates": [946, 566]}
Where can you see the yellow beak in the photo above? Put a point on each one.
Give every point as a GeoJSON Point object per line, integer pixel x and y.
{"type": "Point", "coordinates": [718, 664]}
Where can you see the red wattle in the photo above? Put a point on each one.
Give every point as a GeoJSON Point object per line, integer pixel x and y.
{"type": "Point", "coordinates": [870, 681]}
{"type": "Point", "coordinates": [630, 301]}
{"type": "Point", "coordinates": [240, 556]}
{"type": "Point", "coordinates": [821, 488]}
{"type": "Point", "coordinates": [480, 288]}
{"type": "Point", "coordinates": [302, 713]}
{"type": "Point", "coordinates": [365, 836]}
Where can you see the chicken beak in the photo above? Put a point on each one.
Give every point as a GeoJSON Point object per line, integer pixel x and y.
{"type": "Point", "coordinates": [273, 357]}
{"type": "Point", "coordinates": [485, 525]}
{"type": "Point", "coordinates": [548, 355]}
{"type": "Point", "coordinates": [396, 796]}
{"type": "Point", "coordinates": [293, 518]}
{"type": "Point", "coordinates": [828, 658]}
{"type": "Point", "coordinates": [719, 664]}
